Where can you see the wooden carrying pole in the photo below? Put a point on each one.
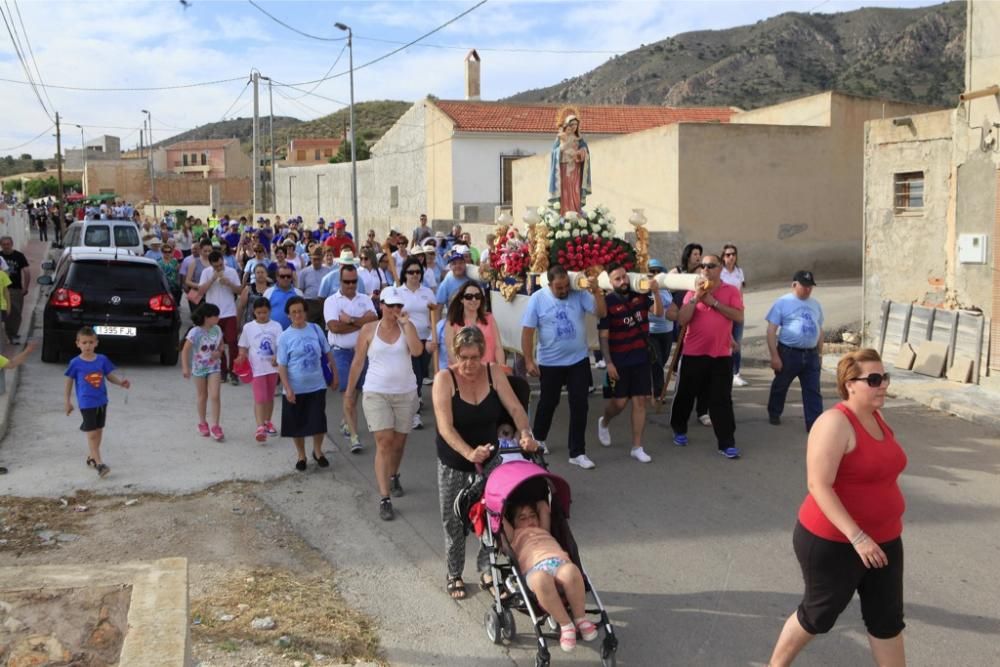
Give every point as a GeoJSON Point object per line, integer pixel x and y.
{"type": "Point", "coordinates": [982, 92]}
{"type": "Point", "coordinates": [672, 366]}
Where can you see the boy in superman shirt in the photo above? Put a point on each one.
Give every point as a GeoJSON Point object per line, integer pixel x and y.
{"type": "Point", "coordinates": [88, 371]}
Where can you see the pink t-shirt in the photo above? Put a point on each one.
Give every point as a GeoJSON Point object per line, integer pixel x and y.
{"type": "Point", "coordinates": [491, 343]}
{"type": "Point", "coordinates": [709, 331]}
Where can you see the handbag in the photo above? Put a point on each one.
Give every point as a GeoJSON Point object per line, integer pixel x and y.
{"type": "Point", "coordinates": [324, 359]}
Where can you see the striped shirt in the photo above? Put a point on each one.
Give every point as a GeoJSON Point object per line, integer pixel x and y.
{"type": "Point", "coordinates": [627, 324]}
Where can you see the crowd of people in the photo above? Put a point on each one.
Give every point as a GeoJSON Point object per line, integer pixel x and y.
{"type": "Point", "coordinates": [302, 310]}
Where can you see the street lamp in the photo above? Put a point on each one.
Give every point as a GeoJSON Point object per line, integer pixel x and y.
{"type": "Point", "coordinates": [83, 145]}
{"type": "Point", "coordinates": [354, 131]}
{"type": "Point", "coordinates": [152, 177]}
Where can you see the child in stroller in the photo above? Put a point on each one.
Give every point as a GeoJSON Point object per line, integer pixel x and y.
{"type": "Point", "coordinates": [548, 569]}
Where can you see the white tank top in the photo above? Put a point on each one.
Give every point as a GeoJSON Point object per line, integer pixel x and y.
{"type": "Point", "coordinates": [389, 366]}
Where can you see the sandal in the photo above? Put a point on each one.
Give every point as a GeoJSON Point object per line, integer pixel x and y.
{"type": "Point", "coordinates": [456, 588]}
{"type": "Point", "coordinates": [567, 638]}
{"type": "Point", "coordinates": [91, 463]}
{"type": "Point", "coordinates": [486, 584]}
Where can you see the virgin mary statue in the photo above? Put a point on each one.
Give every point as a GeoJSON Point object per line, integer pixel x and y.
{"type": "Point", "coordinates": [569, 170]}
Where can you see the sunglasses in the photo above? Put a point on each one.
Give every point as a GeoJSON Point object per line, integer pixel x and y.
{"type": "Point", "coordinates": [284, 275]}
{"type": "Point", "coordinates": [708, 265]}
{"type": "Point", "coordinates": [413, 273]}
{"type": "Point", "coordinates": [349, 282]}
{"type": "Point", "coordinates": [874, 380]}
{"type": "Point", "coordinates": [472, 296]}
{"type": "Point", "coordinates": [729, 254]}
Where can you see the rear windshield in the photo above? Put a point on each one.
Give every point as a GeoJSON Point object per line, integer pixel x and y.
{"type": "Point", "coordinates": [126, 236]}
{"type": "Point", "coordinates": [116, 276]}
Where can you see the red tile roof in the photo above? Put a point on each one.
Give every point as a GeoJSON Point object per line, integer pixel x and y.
{"type": "Point", "coordinates": [509, 117]}
{"type": "Point", "coordinates": [333, 142]}
{"type": "Point", "coordinates": [196, 144]}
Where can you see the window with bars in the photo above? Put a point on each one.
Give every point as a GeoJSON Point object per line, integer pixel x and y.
{"type": "Point", "coordinates": [908, 192]}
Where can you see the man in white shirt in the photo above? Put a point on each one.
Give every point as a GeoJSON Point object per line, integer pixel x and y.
{"type": "Point", "coordinates": [219, 285]}
{"type": "Point", "coordinates": [345, 312]}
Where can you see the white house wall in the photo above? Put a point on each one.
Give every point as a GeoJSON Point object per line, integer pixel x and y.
{"type": "Point", "coordinates": [476, 166]}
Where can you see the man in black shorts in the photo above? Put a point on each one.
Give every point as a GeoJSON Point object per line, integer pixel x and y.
{"type": "Point", "coordinates": [624, 335]}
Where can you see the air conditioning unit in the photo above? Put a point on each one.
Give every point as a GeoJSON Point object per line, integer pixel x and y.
{"type": "Point", "coordinates": [468, 213]}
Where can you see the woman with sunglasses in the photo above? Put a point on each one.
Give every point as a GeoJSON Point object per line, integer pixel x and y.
{"type": "Point", "coordinates": [171, 270]}
{"type": "Point", "coordinates": [418, 302]}
{"type": "Point", "coordinates": [733, 275]}
{"type": "Point", "coordinates": [847, 537]}
{"type": "Point", "coordinates": [389, 396]}
{"type": "Point", "coordinates": [467, 308]}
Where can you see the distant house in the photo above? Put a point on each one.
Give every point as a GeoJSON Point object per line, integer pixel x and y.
{"type": "Point", "coordinates": [205, 158]}
{"type": "Point", "coordinates": [312, 151]}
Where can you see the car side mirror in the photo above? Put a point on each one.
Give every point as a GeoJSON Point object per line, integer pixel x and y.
{"type": "Point", "coordinates": [48, 265]}
{"type": "Point", "coordinates": [45, 280]}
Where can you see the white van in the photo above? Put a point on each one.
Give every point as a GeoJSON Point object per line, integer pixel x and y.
{"type": "Point", "coordinates": [102, 234]}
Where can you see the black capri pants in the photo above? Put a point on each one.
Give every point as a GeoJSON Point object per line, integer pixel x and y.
{"type": "Point", "coordinates": [832, 571]}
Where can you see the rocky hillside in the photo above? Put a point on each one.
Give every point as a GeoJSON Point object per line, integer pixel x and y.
{"type": "Point", "coordinates": [914, 55]}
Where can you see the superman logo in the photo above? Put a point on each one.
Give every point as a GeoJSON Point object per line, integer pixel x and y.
{"type": "Point", "coordinates": [94, 379]}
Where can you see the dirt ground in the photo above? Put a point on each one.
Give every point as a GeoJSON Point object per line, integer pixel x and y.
{"type": "Point", "coordinates": [244, 564]}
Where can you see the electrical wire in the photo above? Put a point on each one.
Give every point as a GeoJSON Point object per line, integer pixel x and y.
{"type": "Point", "coordinates": [31, 51]}
{"type": "Point", "coordinates": [31, 141]}
{"type": "Point", "coordinates": [295, 86]}
{"type": "Point", "coordinates": [11, 30]}
{"type": "Point", "coordinates": [128, 90]}
{"type": "Point", "coordinates": [294, 29]}
{"type": "Point", "coordinates": [305, 106]}
{"type": "Point", "coordinates": [337, 60]}
{"type": "Point", "coordinates": [236, 101]}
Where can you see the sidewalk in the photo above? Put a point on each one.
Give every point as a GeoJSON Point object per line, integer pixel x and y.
{"type": "Point", "coordinates": [36, 252]}
{"type": "Point", "coordinates": [979, 404]}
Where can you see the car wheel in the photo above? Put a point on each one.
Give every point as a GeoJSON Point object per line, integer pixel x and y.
{"type": "Point", "coordinates": [169, 355]}
{"type": "Point", "coordinates": [50, 349]}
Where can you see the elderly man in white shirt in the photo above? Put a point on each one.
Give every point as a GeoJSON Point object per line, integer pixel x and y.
{"type": "Point", "coordinates": [219, 285]}
{"type": "Point", "coordinates": [345, 312]}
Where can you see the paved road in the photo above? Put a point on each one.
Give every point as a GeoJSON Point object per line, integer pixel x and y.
{"type": "Point", "coordinates": [691, 553]}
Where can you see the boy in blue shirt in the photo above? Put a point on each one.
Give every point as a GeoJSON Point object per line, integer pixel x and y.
{"type": "Point", "coordinates": [88, 371]}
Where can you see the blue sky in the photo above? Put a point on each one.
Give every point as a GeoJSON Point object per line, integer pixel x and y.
{"type": "Point", "coordinates": [135, 44]}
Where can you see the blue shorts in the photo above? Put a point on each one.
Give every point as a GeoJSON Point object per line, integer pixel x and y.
{"type": "Point", "coordinates": [548, 566]}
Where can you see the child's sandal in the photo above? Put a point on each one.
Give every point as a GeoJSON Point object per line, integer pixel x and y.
{"type": "Point", "coordinates": [567, 638]}
{"type": "Point", "coordinates": [587, 630]}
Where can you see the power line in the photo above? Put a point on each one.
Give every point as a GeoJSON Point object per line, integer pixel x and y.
{"type": "Point", "coordinates": [128, 90]}
{"type": "Point", "coordinates": [401, 48]}
{"type": "Point", "coordinates": [20, 56]}
{"type": "Point", "coordinates": [295, 86]}
{"type": "Point", "coordinates": [293, 28]}
{"type": "Point", "coordinates": [237, 100]}
{"type": "Point", "coordinates": [305, 106]}
{"type": "Point", "coordinates": [337, 60]}
{"type": "Point", "coordinates": [40, 135]}
{"type": "Point", "coordinates": [31, 51]}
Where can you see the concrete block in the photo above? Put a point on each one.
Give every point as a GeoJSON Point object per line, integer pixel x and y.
{"type": "Point", "coordinates": [961, 369]}
{"type": "Point", "coordinates": [931, 358]}
{"type": "Point", "coordinates": [905, 357]}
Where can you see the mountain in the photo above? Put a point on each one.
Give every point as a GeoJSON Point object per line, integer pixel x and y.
{"type": "Point", "coordinates": [372, 118]}
{"type": "Point", "coordinates": [911, 55]}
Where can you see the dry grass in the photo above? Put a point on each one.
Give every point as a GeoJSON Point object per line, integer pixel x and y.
{"type": "Point", "coordinates": [307, 609]}
{"type": "Point", "coordinates": [21, 518]}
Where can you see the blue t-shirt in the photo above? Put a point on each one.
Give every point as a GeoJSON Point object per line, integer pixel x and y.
{"type": "Point", "coordinates": [298, 351]}
{"type": "Point", "coordinates": [561, 325]}
{"type": "Point", "coordinates": [89, 376]}
{"type": "Point", "coordinates": [661, 325]}
{"type": "Point", "coordinates": [449, 286]}
{"type": "Point", "coordinates": [278, 298]}
{"type": "Point", "coordinates": [800, 320]}
{"type": "Point", "coordinates": [331, 283]}
{"type": "Point", "coordinates": [442, 345]}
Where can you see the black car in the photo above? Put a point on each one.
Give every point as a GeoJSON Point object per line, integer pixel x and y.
{"type": "Point", "coordinates": [124, 297]}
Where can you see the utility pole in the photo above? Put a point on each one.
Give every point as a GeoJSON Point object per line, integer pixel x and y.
{"type": "Point", "coordinates": [142, 138]}
{"type": "Point", "coordinates": [59, 165]}
{"type": "Point", "coordinates": [152, 173]}
{"type": "Point", "coordinates": [256, 161]}
{"type": "Point", "coordinates": [270, 131]}
{"type": "Point", "coordinates": [354, 132]}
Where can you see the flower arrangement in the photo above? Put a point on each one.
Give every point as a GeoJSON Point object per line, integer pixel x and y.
{"type": "Point", "coordinates": [509, 260]}
{"type": "Point", "coordinates": [581, 241]}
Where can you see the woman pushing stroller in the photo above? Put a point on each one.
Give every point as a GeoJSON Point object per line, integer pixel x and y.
{"type": "Point", "coordinates": [548, 570]}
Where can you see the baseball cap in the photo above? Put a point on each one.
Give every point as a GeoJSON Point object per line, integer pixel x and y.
{"type": "Point", "coordinates": [429, 249]}
{"type": "Point", "coordinates": [390, 296]}
{"type": "Point", "coordinates": [233, 223]}
{"type": "Point", "coordinates": [455, 255]}
{"type": "Point", "coordinates": [656, 264]}
{"type": "Point", "coordinates": [340, 223]}
{"type": "Point", "coordinates": [460, 249]}
{"type": "Point", "coordinates": [155, 241]}
{"type": "Point", "coordinates": [439, 234]}
{"type": "Point", "coordinates": [804, 278]}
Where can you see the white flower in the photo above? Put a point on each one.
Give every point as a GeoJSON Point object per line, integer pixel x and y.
{"type": "Point", "coordinates": [542, 211]}
{"type": "Point", "coordinates": [572, 215]}
{"type": "Point", "coordinates": [611, 219]}
{"type": "Point", "coordinates": [576, 232]}
{"type": "Point", "coordinates": [606, 235]}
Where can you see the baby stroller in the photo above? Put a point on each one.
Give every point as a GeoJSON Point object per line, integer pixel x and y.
{"type": "Point", "coordinates": [514, 483]}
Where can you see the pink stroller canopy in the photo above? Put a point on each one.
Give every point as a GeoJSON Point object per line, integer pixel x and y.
{"type": "Point", "coordinates": [507, 477]}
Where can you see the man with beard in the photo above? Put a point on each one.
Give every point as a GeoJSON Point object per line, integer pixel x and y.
{"type": "Point", "coordinates": [559, 316]}
{"type": "Point", "coordinates": [624, 333]}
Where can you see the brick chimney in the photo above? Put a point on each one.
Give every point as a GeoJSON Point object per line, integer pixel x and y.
{"type": "Point", "coordinates": [472, 75]}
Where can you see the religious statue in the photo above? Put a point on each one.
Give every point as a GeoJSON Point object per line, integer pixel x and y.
{"type": "Point", "coordinates": [569, 171]}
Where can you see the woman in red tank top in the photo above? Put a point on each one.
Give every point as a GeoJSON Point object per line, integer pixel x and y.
{"type": "Point", "coordinates": [848, 534]}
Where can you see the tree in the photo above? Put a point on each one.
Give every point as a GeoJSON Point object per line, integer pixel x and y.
{"type": "Point", "coordinates": [37, 165]}
{"type": "Point", "coordinates": [25, 156]}
{"type": "Point", "coordinates": [344, 153]}
{"type": "Point", "coordinates": [8, 160]}
{"type": "Point", "coordinates": [13, 185]}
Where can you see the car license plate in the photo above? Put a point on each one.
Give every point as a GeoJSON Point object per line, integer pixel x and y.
{"type": "Point", "coordinates": [115, 331]}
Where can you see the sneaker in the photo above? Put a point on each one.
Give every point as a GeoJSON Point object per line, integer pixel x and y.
{"type": "Point", "coordinates": [587, 630]}
{"type": "Point", "coordinates": [417, 422]}
{"type": "Point", "coordinates": [204, 430]}
{"type": "Point", "coordinates": [640, 455]}
{"type": "Point", "coordinates": [217, 433]}
{"type": "Point", "coordinates": [582, 461]}
{"type": "Point", "coordinates": [345, 430]}
{"type": "Point", "coordinates": [681, 439]}
{"type": "Point", "coordinates": [774, 420]}
{"type": "Point", "coordinates": [543, 448]}
{"type": "Point", "coordinates": [102, 470]}
{"type": "Point", "coordinates": [234, 379]}
{"type": "Point", "coordinates": [15, 340]}
{"type": "Point", "coordinates": [567, 638]}
{"type": "Point", "coordinates": [730, 452]}
{"type": "Point", "coordinates": [356, 446]}
{"type": "Point", "coordinates": [601, 364]}
{"type": "Point", "coordinates": [428, 380]}
{"type": "Point", "coordinates": [739, 381]}
{"type": "Point", "coordinates": [271, 431]}
{"type": "Point", "coordinates": [395, 488]}
{"type": "Point", "coordinates": [705, 420]}
{"type": "Point", "coordinates": [385, 510]}
{"type": "Point", "coordinates": [603, 434]}
{"type": "Point", "coordinates": [261, 435]}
